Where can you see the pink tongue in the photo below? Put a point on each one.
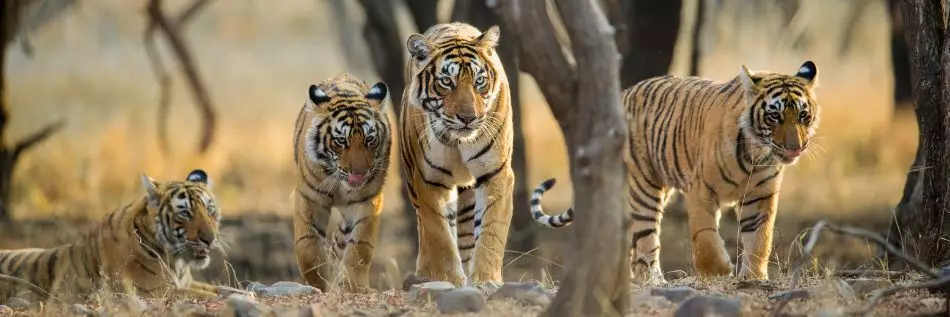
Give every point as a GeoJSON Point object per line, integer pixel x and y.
{"type": "Point", "coordinates": [355, 179]}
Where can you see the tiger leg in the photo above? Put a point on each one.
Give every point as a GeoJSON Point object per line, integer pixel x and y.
{"type": "Point", "coordinates": [493, 207]}
{"type": "Point", "coordinates": [465, 220]}
{"type": "Point", "coordinates": [360, 228]}
{"type": "Point", "coordinates": [756, 224]}
{"type": "Point", "coordinates": [438, 258]}
{"type": "Point", "coordinates": [311, 217]}
{"type": "Point", "coordinates": [709, 251]}
{"type": "Point", "coordinates": [646, 204]}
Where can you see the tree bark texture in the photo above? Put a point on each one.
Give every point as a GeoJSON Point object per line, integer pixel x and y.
{"type": "Point", "coordinates": [929, 43]}
{"type": "Point", "coordinates": [585, 99]}
{"type": "Point", "coordinates": [900, 59]}
{"type": "Point", "coordinates": [650, 29]}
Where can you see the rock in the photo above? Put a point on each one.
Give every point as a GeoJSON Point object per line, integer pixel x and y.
{"type": "Point", "coordinates": [863, 286]}
{"type": "Point", "coordinates": [532, 293]}
{"type": "Point", "coordinates": [242, 306]}
{"type": "Point", "coordinates": [310, 311]}
{"type": "Point", "coordinates": [282, 289]}
{"type": "Point", "coordinates": [411, 279]}
{"type": "Point", "coordinates": [5, 310]}
{"type": "Point", "coordinates": [190, 310]}
{"type": "Point", "coordinates": [18, 303]}
{"type": "Point", "coordinates": [462, 300]}
{"type": "Point", "coordinates": [674, 294]}
{"type": "Point", "coordinates": [421, 294]}
{"type": "Point", "coordinates": [675, 275]}
{"type": "Point", "coordinates": [709, 306]}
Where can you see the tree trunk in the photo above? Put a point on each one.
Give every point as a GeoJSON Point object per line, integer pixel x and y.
{"type": "Point", "coordinates": [523, 230]}
{"type": "Point", "coordinates": [929, 43]}
{"type": "Point", "coordinates": [696, 48]}
{"type": "Point", "coordinates": [651, 28]}
{"type": "Point", "coordinates": [585, 99]}
{"type": "Point", "coordinates": [900, 60]}
{"type": "Point", "coordinates": [424, 13]}
{"type": "Point", "coordinates": [10, 16]}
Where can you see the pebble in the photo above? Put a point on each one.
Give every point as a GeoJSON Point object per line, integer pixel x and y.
{"type": "Point", "coordinates": [529, 293]}
{"type": "Point", "coordinates": [421, 294]}
{"type": "Point", "coordinates": [708, 306]}
{"type": "Point", "coordinates": [242, 306]}
{"type": "Point", "coordinates": [462, 300]}
{"type": "Point", "coordinates": [674, 294]}
{"type": "Point", "coordinates": [282, 289]}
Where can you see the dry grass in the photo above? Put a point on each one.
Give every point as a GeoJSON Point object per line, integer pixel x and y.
{"type": "Point", "coordinates": [90, 69]}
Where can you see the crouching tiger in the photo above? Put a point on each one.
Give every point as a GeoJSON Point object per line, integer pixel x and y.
{"type": "Point", "coordinates": [342, 143]}
{"type": "Point", "coordinates": [721, 144]}
{"type": "Point", "coordinates": [147, 247]}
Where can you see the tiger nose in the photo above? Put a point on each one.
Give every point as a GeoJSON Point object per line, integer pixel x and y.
{"type": "Point", "coordinates": [466, 118]}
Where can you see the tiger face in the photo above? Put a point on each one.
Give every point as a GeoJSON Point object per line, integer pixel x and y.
{"type": "Point", "coordinates": [187, 217]}
{"type": "Point", "coordinates": [456, 83]}
{"type": "Point", "coordinates": [783, 111]}
{"type": "Point", "coordinates": [347, 135]}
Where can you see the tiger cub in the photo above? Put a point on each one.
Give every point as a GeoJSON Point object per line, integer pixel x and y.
{"type": "Point", "coordinates": [146, 247]}
{"type": "Point", "coordinates": [342, 143]}
{"type": "Point", "coordinates": [722, 144]}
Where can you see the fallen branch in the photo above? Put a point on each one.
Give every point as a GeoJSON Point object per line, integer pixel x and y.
{"type": "Point", "coordinates": [938, 281]}
{"type": "Point", "coordinates": [870, 274]}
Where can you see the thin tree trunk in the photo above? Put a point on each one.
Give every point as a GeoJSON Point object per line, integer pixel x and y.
{"type": "Point", "coordinates": [928, 41]}
{"type": "Point", "coordinates": [585, 99]}
{"type": "Point", "coordinates": [424, 13]}
{"type": "Point", "coordinates": [900, 59]}
{"type": "Point", "coordinates": [651, 28]}
{"type": "Point", "coordinates": [696, 49]}
{"type": "Point", "coordinates": [521, 235]}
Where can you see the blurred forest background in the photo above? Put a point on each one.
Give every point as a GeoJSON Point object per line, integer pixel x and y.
{"type": "Point", "coordinates": [88, 66]}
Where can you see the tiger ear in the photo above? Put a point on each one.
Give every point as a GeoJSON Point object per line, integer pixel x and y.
{"type": "Point", "coordinates": [377, 94]}
{"type": "Point", "coordinates": [809, 72]}
{"type": "Point", "coordinates": [198, 176]}
{"type": "Point", "coordinates": [489, 39]}
{"type": "Point", "coordinates": [418, 47]}
{"type": "Point", "coordinates": [317, 96]}
{"type": "Point", "coordinates": [749, 80]}
{"type": "Point", "coordinates": [152, 195]}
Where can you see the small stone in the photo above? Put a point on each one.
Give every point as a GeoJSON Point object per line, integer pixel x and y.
{"type": "Point", "coordinates": [310, 311]}
{"type": "Point", "coordinates": [462, 300]}
{"type": "Point", "coordinates": [190, 310]}
{"type": "Point", "coordinates": [674, 294]}
{"type": "Point", "coordinates": [708, 306]}
{"type": "Point", "coordinates": [674, 275]}
{"type": "Point", "coordinates": [280, 289]}
{"type": "Point", "coordinates": [19, 303]}
{"type": "Point", "coordinates": [411, 279]}
{"type": "Point", "coordinates": [863, 286]}
{"type": "Point", "coordinates": [429, 291]}
{"type": "Point", "coordinates": [532, 293]}
{"type": "Point", "coordinates": [242, 306]}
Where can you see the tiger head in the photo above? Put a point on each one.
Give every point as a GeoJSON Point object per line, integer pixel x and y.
{"type": "Point", "coordinates": [186, 217]}
{"type": "Point", "coordinates": [456, 78]}
{"type": "Point", "coordinates": [783, 113]}
{"type": "Point", "coordinates": [349, 135]}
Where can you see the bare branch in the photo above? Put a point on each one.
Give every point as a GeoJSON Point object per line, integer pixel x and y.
{"type": "Point", "coordinates": [879, 295]}
{"type": "Point", "coordinates": [186, 60]}
{"type": "Point", "coordinates": [36, 138]}
{"type": "Point", "coordinates": [164, 86]}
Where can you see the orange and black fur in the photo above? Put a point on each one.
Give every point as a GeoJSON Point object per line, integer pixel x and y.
{"type": "Point", "coordinates": [147, 247]}
{"type": "Point", "coordinates": [456, 142]}
{"type": "Point", "coordinates": [721, 144]}
{"type": "Point", "coordinates": [342, 143]}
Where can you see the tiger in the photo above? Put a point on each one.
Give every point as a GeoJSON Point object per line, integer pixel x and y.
{"type": "Point", "coordinates": [722, 144]}
{"type": "Point", "coordinates": [342, 142]}
{"type": "Point", "coordinates": [455, 146]}
{"type": "Point", "coordinates": [147, 247]}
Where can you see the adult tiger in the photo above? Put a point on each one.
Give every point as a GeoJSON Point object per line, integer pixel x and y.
{"type": "Point", "coordinates": [148, 246]}
{"type": "Point", "coordinates": [456, 141]}
{"type": "Point", "coordinates": [721, 143]}
{"type": "Point", "coordinates": [342, 143]}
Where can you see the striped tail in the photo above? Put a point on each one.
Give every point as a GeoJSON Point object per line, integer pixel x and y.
{"type": "Point", "coordinates": [557, 221]}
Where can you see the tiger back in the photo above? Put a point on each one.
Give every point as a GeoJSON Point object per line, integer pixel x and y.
{"type": "Point", "coordinates": [146, 247]}
{"type": "Point", "coordinates": [720, 143]}
{"type": "Point", "coordinates": [456, 142]}
{"type": "Point", "coordinates": [342, 142]}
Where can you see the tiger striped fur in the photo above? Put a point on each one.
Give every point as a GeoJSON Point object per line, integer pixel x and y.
{"type": "Point", "coordinates": [147, 247]}
{"type": "Point", "coordinates": [456, 142]}
{"type": "Point", "coordinates": [722, 144]}
{"type": "Point", "coordinates": [342, 143]}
